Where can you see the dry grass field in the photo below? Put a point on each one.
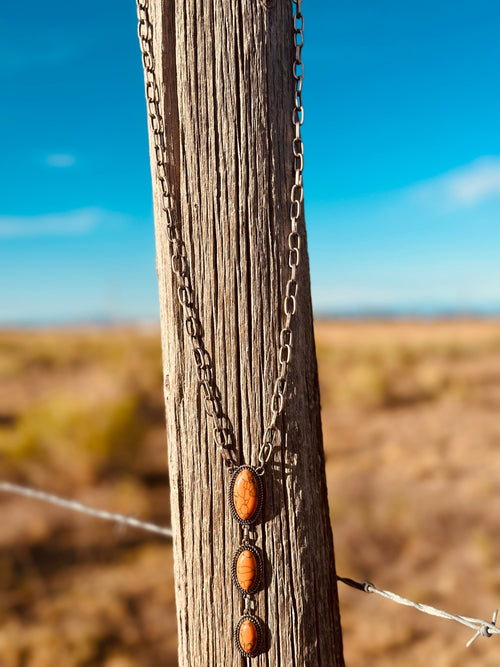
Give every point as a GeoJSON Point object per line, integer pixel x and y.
{"type": "Point", "coordinates": [410, 417]}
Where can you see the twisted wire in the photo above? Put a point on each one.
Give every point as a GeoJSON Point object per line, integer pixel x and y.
{"type": "Point", "coordinates": [483, 628]}
{"type": "Point", "coordinates": [76, 506]}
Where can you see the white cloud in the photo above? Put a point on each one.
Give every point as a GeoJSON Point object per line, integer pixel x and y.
{"type": "Point", "coordinates": [61, 160]}
{"type": "Point", "coordinates": [466, 186]}
{"type": "Point", "coordinates": [434, 242]}
{"type": "Point", "coordinates": [70, 223]}
{"type": "Point", "coordinates": [476, 182]}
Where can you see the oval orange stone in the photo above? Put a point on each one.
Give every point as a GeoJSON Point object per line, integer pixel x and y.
{"type": "Point", "coordinates": [246, 494]}
{"type": "Point", "coordinates": [246, 570]}
{"type": "Point", "coordinates": [248, 636]}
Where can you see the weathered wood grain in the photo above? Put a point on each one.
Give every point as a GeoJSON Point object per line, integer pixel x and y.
{"type": "Point", "coordinates": [226, 77]}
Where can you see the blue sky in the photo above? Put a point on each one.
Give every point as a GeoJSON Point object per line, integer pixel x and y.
{"type": "Point", "coordinates": [402, 153]}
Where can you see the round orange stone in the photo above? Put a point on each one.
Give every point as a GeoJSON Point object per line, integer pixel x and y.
{"type": "Point", "coordinates": [246, 570]}
{"type": "Point", "coordinates": [248, 636]}
{"type": "Point", "coordinates": [246, 494]}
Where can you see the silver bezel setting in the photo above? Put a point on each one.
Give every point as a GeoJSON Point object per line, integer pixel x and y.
{"type": "Point", "coordinates": [258, 625]}
{"type": "Point", "coordinates": [256, 514]}
{"type": "Point", "coordinates": [258, 559]}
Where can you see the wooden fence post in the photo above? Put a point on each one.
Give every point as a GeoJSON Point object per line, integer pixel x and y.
{"type": "Point", "coordinates": [225, 69]}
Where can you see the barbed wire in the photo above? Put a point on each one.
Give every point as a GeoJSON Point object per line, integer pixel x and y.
{"type": "Point", "coordinates": [76, 506]}
{"type": "Point", "coordinates": [482, 627]}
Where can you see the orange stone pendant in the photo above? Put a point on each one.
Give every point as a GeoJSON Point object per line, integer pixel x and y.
{"type": "Point", "coordinates": [248, 635]}
{"type": "Point", "coordinates": [245, 495]}
{"type": "Point", "coordinates": [247, 569]}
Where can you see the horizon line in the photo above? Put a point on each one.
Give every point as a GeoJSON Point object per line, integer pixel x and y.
{"type": "Point", "coordinates": [445, 312]}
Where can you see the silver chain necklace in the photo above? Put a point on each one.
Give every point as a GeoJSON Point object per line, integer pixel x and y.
{"type": "Point", "coordinates": [245, 489]}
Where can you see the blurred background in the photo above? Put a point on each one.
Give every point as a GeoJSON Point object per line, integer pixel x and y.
{"type": "Point", "coordinates": [402, 184]}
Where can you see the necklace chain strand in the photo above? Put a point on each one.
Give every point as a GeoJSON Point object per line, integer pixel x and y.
{"type": "Point", "coordinates": [296, 204]}
{"type": "Point", "coordinates": [246, 489]}
{"type": "Point", "coordinates": [178, 257]}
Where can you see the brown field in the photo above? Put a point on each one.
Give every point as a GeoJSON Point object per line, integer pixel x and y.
{"type": "Point", "coordinates": [410, 417]}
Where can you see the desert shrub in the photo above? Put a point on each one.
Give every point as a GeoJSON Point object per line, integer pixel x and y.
{"type": "Point", "coordinates": [79, 440]}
